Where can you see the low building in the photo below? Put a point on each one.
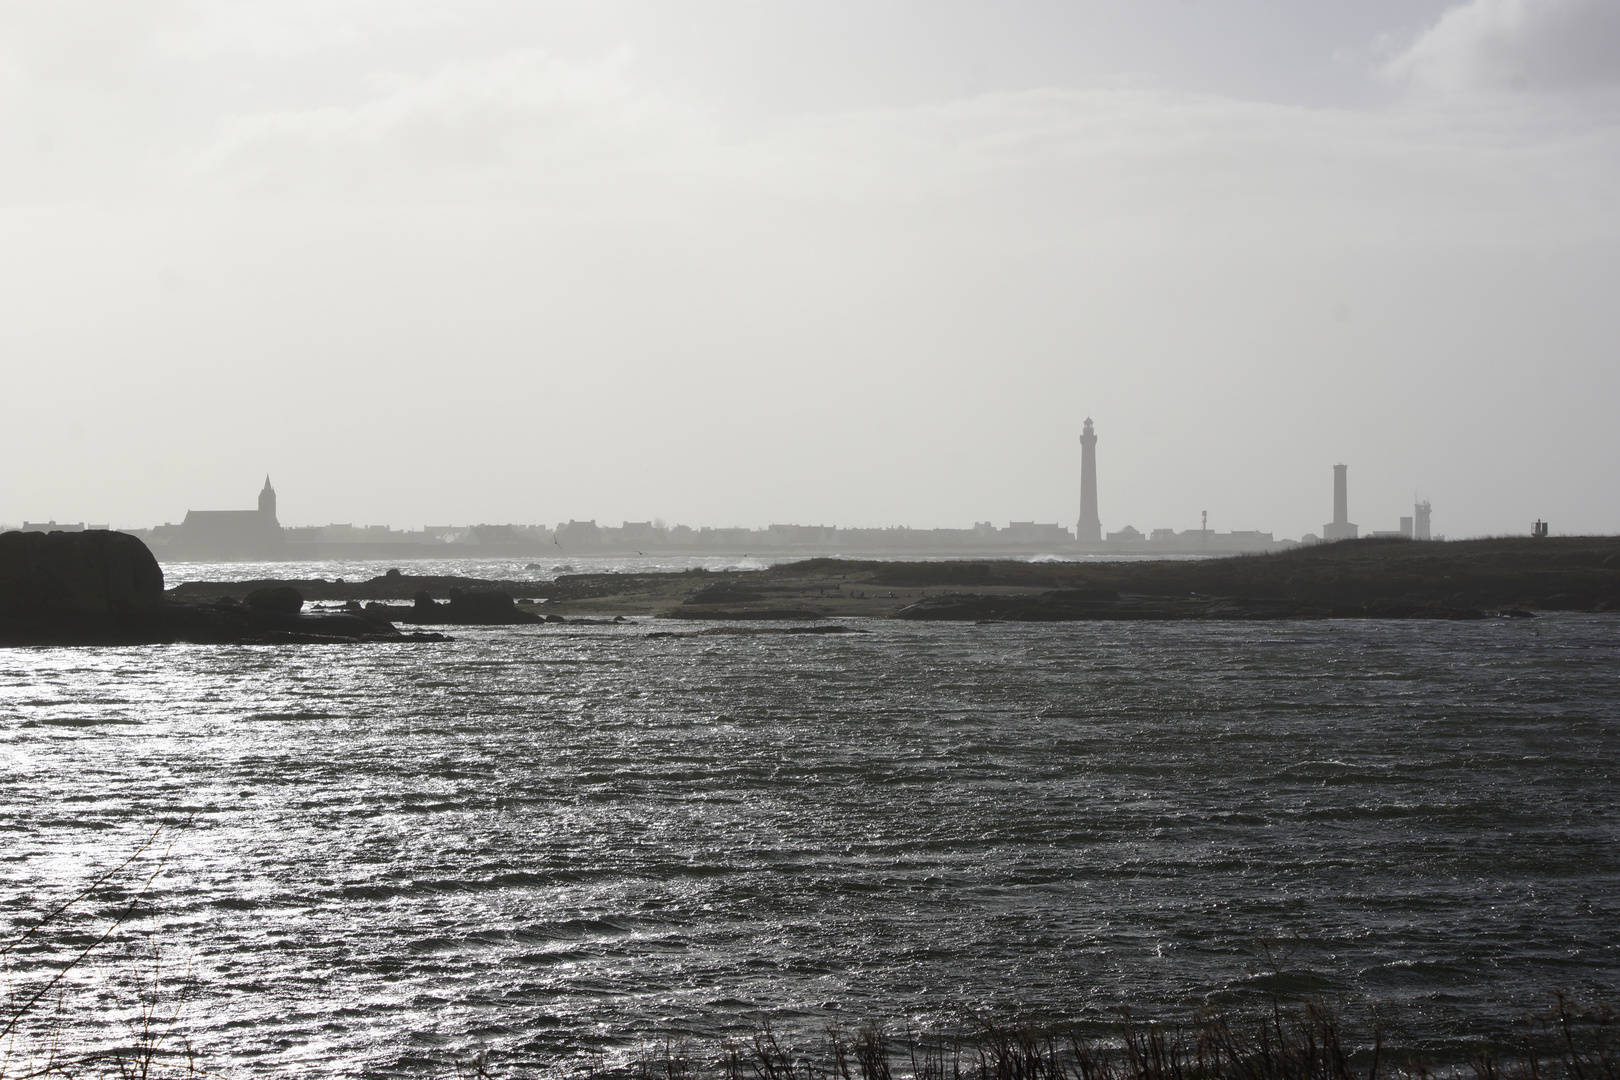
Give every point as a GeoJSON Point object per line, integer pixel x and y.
{"type": "Point", "coordinates": [1037, 532]}
{"type": "Point", "coordinates": [577, 535]}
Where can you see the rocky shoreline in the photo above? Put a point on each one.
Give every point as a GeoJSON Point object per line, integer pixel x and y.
{"type": "Point", "coordinates": [105, 588]}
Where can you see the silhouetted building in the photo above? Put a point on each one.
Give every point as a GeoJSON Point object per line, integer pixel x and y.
{"type": "Point", "coordinates": [1129, 541]}
{"type": "Point", "coordinates": [225, 534]}
{"type": "Point", "coordinates": [1037, 532]}
{"type": "Point", "coordinates": [1090, 528]}
{"type": "Point", "coordinates": [579, 534]}
{"type": "Point", "coordinates": [1420, 525]}
{"type": "Point", "coordinates": [638, 534]}
{"type": "Point", "coordinates": [1340, 528]}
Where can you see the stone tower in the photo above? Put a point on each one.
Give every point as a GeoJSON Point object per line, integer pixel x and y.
{"type": "Point", "coordinates": [1421, 511]}
{"type": "Point", "coordinates": [267, 501]}
{"type": "Point", "coordinates": [1090, 529]}
{"type": "Point", "coordinates": [1340, 528]}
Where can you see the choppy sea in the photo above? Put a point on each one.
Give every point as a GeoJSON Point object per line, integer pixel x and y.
{"type": "Point", "coordinates": [562, 844]}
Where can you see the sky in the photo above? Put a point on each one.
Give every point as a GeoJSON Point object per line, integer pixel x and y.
{"type": "Point", "coordinates": [850, 262]}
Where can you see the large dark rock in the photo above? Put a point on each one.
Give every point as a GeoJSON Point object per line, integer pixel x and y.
{"type": "Point", "coordinates": [105, 588]}
{"type": "Point", "coordinates": [281, 600]}
{"type": "Point", "coordinates": [96, 573]}
{"type": "Point", "coordinates": [485, 607]}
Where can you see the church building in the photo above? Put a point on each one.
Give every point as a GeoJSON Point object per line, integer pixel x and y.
{"type": "Point", "coordinates": [228, 534]}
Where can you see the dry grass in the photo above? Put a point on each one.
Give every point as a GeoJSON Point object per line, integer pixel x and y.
{"type": "Point", "coordinates": [57, 974]}
{"type": "Point", "coordinates": [1309, 1042]}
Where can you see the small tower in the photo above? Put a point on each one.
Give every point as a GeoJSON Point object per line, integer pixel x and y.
{"type": "Point", "coordinates": [1420, 528]}
{"type": "Point", "coordinates": [267, 502]}
{"type": "Point", "coordinates": [1090, 528]}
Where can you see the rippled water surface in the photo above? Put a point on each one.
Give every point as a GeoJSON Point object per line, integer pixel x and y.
{"type": "Point", "coordinates": [556, 842]}
{"type": "Point", "coordinates": [547, 567]}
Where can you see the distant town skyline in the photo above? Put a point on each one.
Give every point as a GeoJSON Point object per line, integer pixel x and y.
{"type": "Point", "coordinates": [259, 533]}
{"type": "Point", "coordinates": [743, 263]}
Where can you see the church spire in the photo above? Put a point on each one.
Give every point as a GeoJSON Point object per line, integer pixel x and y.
{"type": "Point", "coordinates": [267, 500]}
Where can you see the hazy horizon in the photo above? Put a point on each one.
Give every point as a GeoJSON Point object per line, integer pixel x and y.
{"type": "Point", "coordinates": [730, 263]}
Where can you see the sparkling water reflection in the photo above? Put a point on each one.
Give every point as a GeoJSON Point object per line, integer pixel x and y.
{"type": "Point", "coordinates": [540, 567]}
{"type": "Point", "coordinates": [556, 841]}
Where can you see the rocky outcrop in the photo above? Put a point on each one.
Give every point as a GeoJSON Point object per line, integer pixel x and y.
{"type": "Point", "coordinates": [230, 622]}
{"type": "Point", "coordinates": [92, 574]}
{"type": "Point", "coordinates": [391, 586]}
{"type": "Point", "coordinates": [279, 600]}
{"type": "Point", "coordinates": [105, 588]}
{"type": "Point", "coordinates": [470, 607]}
{"type": "Point", "coordinates": [485, 607]}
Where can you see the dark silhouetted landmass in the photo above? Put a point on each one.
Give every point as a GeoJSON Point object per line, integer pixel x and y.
{"type": "Point", "coordinates": [393, 585]}
{"type": "Point", "coordinates": [98, 587]}
{"type": "Point", "coordinates": [1376, 578]}
{"type": "Point", "coordinates": [104, 588]}
{"type": "Point", "coordinates": [465, 601]}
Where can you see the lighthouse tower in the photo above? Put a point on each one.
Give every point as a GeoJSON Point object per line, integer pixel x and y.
{"type": "Point", "coordinates": [1341, 527]}
{"type": "Point", "coordinates": [1090, 529]}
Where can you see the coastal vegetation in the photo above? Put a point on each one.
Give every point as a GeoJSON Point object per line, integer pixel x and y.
{"type": "Point", "coordinates": [80, 964]}
{"type": "Point", "coordinates": [1309, 1040]}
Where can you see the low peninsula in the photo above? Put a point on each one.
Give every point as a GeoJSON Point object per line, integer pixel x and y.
{"type": "Point", "coordinates": [100, 587]}
{"type": "Point", "coordinates": [1372, 578]}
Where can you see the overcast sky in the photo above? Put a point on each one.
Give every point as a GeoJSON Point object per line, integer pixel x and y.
{"type": "Point", "coordinates": [853, 262]}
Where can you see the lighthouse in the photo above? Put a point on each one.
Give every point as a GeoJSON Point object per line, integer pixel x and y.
{"type": "Point", "coordinates": [1090, 529]}
{"type": "Point", "coordinates": [1341, 527]}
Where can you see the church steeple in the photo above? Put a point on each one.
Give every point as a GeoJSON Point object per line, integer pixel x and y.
{"type": "Point", "coordinates": [267, 500]}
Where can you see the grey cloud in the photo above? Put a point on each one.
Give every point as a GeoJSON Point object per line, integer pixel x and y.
{"type": "Point", "coordinates": [487, 122]}
{"type": "Point", "coordinates": [585, 139]}
{"type": "Point", "coordinates": [1515, 45]}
